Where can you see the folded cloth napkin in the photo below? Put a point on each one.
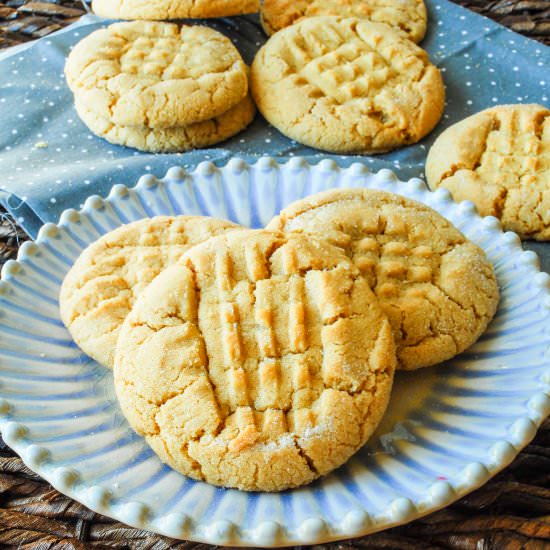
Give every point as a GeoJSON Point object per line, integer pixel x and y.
{"type": "Point", "coordinates": [49, 161]}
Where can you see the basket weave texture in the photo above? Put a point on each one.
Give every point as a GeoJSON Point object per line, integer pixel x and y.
{"type": "Point", "coordinates": [23, 20]}
{"type": "Point", "coordinates": [511, 512]}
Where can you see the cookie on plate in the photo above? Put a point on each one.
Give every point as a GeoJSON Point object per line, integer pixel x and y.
{"type": "Point", "coordinates": [261, 361]}
{"type": "Point", "coordinates": [101, 287]}
{"type": "Point", "coordinates": [171, 140]}
{"type": "Point", "coordinates": [157, 75]}
{"type": "Point", "coordinates": [437, 288]}
{"type": "Point", "coordinates": [410, 16]}
{"type": "Point", "coordinates": [500, 160]}
{"type": "Point", "coordinates": [347, 85]}
{"type": "Point", "coordinates": [170, 9]}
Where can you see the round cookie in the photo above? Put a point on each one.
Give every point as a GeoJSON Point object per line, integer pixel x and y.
{"type": "Point", "coordinates": [261, 361]}
{"type": "Point", "coordinates": [157, 75]}
{"type": "Point", "coordinates": [410, 16]}
{"type": "Point", "coordinates": [172, 140]}
{"type": "Point", "coordinates": [100, 289]}
{"type": "Point", "coordinates": [170, 9]}
{"type": "Point", "coordinates": [500, 160]}
{"type": "Point", "coordinates": [437, 288]}
{"type": "Point", "coordinates": [347, 85]}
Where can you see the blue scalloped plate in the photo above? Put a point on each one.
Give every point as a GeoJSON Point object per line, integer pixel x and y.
{"type": "Point", "coordinates": [447, 431]}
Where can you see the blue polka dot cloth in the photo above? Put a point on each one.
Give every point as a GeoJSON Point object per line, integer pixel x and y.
{"type": "Point", "coordinates": [49, 160]}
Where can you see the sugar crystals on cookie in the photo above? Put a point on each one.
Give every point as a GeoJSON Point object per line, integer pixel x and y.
{"type": "Point", "coordinates": [261, 361]}
{"type": "Point", "coordinates": [437, 288]}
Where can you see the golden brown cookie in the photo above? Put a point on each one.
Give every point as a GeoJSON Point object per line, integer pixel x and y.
{"type": "Point", "coordinates": [500, 160]}
{"type": "Point", "coordinates": [437, 288]}
{"type": "Point", "coordinates": [157, 75]}
{"type": "Point", "coordinates": [347, 85]}
{"type": "Point", "coordinates": [101, 287]}
{"type": "Point", "coordinates": [261, 361]}
{"type": "Point", "coordinates": [173, 9]}
{"type": "Point", "coordinates": [410, 16]}
{"type": "Point", "coordinates": [172, 140]}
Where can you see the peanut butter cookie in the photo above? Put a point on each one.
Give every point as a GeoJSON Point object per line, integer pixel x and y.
{"type": "Point", "coordinates": [437, 288]}
{"type": "Point", "coordinates": [500, 160]}
{"type": "Point", "coordinates": [410, 16]}
{"type": "Point", "coordinates": [102, 286]}
{"type": "Point", "coordinates": [173, 9]}
{"type": "Point", "coordinates": [157, 75]}
{"type": "Point", "coordinates": [261, 361]}
{"type": "Point", "coordinates": [171, 140]}
{"type": "Point", "coordinates": [347, 85]}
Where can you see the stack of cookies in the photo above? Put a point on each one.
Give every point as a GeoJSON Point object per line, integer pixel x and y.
{"type": "Point", "coordinates": [263, 359]}
{"type": "Point", "coordinates": [345, 77]}
{"type": "Point", "coordinates": [160, 87]}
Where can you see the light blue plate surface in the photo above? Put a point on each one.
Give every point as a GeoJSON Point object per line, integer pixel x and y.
{"type": "Point", "coordinates": [448, 429]}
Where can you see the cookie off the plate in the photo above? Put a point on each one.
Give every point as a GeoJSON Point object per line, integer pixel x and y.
{"type": "Point", "coordinates": [347, 85]}
{"type": "Point", "coordinates": [156, 74]}
{"type": "Point", "coordinates": [173, 9]}
{"type": "Point", "coordinates": [409, 16]}
{"type": "Point", "coordinates": [499, 159]}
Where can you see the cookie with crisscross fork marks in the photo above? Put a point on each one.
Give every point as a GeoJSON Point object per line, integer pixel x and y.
{"type": "Point", "coordinates": [500, 160]}
{"type": "Point", "coordinates": [173, 9]}
{"type": "Point", "coordinates": [347, 85]}
{"type": "Point", "coordinates": [104, 282]}
{"type": "Point", "coordinates": [261, 361]}
{"type": "Point", "coordinates": [410, 16]}
{"type": "Point", "coordinates": [437, 288]}
{"type": "Point", "coordinates": [157, 75]}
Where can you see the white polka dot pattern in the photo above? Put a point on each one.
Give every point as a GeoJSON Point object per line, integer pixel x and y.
{"type": "Point", "coordinates": [47, 152]}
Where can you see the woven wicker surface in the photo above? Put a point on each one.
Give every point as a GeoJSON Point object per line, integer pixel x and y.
{"type": "Point", "coordinates": [511, 512]}
{"type": "Point", "coordinates": [23, 20]}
